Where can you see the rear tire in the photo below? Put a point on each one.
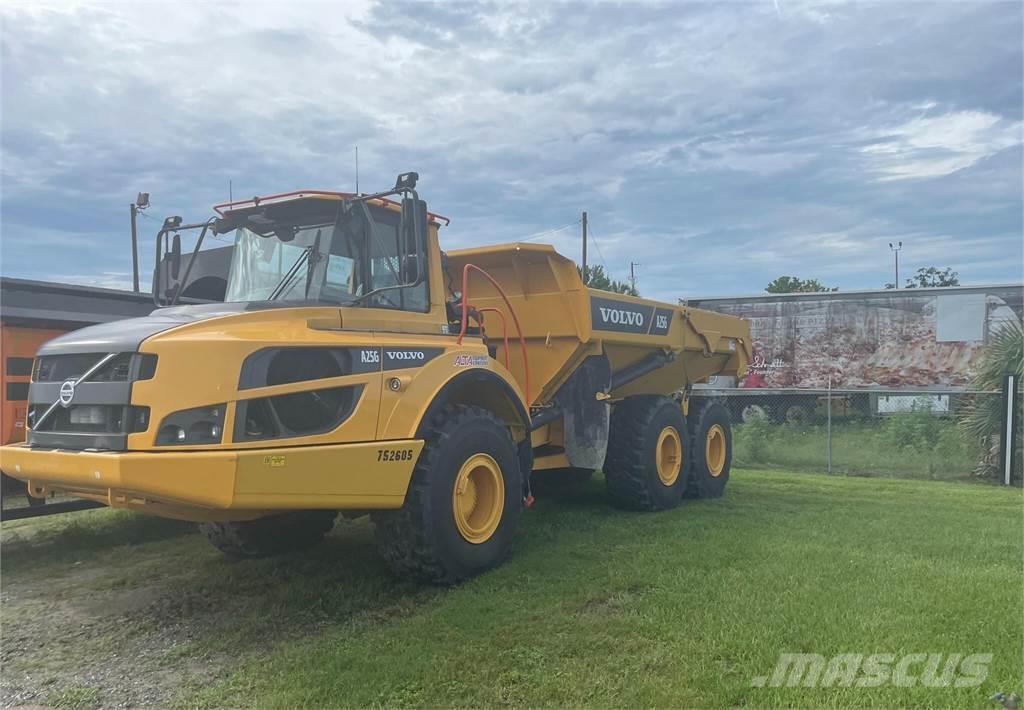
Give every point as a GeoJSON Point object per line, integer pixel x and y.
{"type": "Point", "coordinates": [464, 501]}
{"type": "Point", "coordinates": [647, 463]}
{"type": "Point", "coordinates": [271, 535]}
{"type": "Point", "coordinates": [797, 415]}
{"type": "Point", "coordinates": [711, 450]}
{"type": "Point", "coordinates": [753, 412]}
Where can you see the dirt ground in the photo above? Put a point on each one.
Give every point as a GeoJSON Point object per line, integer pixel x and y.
{"type": "Point", "coordinates": [74, 634]}
{"type": "Point", "coordinates": [106, 608]}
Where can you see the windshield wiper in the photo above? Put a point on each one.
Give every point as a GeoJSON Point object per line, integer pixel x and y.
{"type": "Point", "coordinates": [306, 257]}
{"type": "Point", "coordinates": [289, 276]}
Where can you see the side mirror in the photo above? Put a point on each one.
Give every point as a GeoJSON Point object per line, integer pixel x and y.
{"type": "Point", "coordinates": [407, 181]}
{"type": "Point", "coordinates": [175, 256]}
{"type": "Point", "coordinates": [413, 235]}
{"type": "Point", "coordinates": [285, 233]}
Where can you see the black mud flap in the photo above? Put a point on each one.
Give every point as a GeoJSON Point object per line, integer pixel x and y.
{"type": "Point", "coordinates": [586, 416]}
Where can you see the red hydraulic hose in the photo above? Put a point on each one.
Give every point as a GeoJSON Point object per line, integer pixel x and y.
{"type": "Point", "coordinates": [465, 306]}
{"type": "Point", "coordinates": [504, 327]}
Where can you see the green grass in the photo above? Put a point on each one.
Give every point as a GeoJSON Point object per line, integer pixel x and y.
{"type": "Point", "coordinates": [73, 698]}
{"type": "Point", "coordinates": [598, 607]}
{"type": "Point", "coordinates": [886, 448]}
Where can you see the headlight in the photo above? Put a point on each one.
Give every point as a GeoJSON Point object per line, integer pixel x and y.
{"type": "Point", "coordinates": [94, 415]}
{"type": "Point", "coordinates": [202, 425]}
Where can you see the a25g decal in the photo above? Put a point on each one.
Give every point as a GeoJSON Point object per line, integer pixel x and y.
{"type": "Point", "coordinates": [394, 454]}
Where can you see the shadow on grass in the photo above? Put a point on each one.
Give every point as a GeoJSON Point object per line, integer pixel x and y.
{"type": "Point", "coordinates": [146, 596]}
{"type": "Point", "coordinates": [83, 535]}
{"type": "Point", "coordinates": [242, 607]}
{"type": "Point", "coordinates": [214, 607]}
{"type": "Point", "coordinates": [571, 495]}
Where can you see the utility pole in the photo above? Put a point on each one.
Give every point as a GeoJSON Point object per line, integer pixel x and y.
{"type": "Point", "coordinates": [583, 221]}
{"type": "Point", "coordinates": [896, 252]}
{"type": "Point", "coordinates": [141, 203]}
{"type": "Point", "coordinates": [357, 170]}
{"type": "Point", "coordinates": [632, 274]}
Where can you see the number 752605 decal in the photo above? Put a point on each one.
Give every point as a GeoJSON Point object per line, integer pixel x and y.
{"type": "Point", "coordinates": [394, 454]}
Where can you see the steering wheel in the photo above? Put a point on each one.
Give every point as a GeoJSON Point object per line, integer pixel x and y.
{"type": "Point", "coordinates": [382, 297]}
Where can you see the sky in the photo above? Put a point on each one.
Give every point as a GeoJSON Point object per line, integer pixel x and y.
{"type": "Point", "coordinates": [716, 145]}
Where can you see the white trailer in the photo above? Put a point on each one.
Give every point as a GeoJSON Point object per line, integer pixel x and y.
{"type": "Point", "coordinates": [874, 352]}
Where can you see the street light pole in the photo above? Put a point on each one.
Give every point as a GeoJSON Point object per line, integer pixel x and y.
{"type": "Point", "coordinates": [135, 250]}
{"type": "Point", "coordinates": [141, 203]}
{"type": "Point", "coordinates": [896, 252]}
{"type": "Point", "coordinates": [583, 221]}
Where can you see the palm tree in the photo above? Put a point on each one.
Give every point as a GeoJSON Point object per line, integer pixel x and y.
{"type": "Point", "coordinates": [983, 417]}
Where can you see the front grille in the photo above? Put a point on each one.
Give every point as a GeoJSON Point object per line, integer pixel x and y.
{"type": "Point", "coordinates": [58, 368]}
{"type": "Point", "coordinates": [99, 415]}
{"type": "Point", "coordinates": [90, 418]}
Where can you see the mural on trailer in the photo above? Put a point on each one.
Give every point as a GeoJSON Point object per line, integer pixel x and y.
{"type": "Point", "coordinates": [891, 339]}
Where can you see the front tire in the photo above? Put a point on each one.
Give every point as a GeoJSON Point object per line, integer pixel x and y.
{"type": "Point", "coordinates": [647, 464]}
{"type": "Point", "coordinates": [270, 535]}
{"type": "Point", "coordinates": [464, 501]}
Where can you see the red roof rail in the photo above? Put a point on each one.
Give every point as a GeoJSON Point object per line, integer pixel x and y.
{"type": "Point", "coordinates": [225, 207]}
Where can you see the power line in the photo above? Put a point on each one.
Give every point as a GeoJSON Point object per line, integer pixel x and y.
{"type": "Point", "coordinates": [597, 244]}
{"type": "Point", "coordinates": [549, 232]}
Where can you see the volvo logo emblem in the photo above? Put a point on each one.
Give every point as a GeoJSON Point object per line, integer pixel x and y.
{"type": "Point", "coordinates": [620, 316]}
{"type": "Point", "coordinates": [67, 393]}
{"type": "Point", "coordinates": [405, 354]}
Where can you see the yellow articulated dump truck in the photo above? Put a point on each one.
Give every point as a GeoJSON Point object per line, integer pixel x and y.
{"type": "Point", "coordinates": [356, 367]}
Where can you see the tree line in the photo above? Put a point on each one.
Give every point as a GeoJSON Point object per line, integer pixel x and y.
{"type": "Point", "coordinates": [926, 277]}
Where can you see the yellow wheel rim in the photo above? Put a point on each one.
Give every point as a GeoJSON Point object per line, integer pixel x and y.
{"type": "Point", "coordinates": [668, 457]}
{"type": "Point", "coordinates": [714, 450]}
{"type": "Point", "coordinates": [478, 498]}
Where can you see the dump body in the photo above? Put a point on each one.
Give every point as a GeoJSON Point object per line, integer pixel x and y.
{"type": "Point", "coordinates": [563, 322]}
{"type": "Point", "coordinates": [584, 349]}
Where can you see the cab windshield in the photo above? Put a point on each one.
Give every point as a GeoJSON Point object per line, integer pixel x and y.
{"type": "Point", "coordinates": [339, 260]}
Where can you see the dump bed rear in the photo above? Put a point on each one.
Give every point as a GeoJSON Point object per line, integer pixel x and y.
{"type": "Point", "coordinates": [564, 322]}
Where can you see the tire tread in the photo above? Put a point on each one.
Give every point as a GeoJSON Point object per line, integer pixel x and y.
{"type": "Point", "coordinates": [402, 535]}
{"type": "Point", "coordinates": [626, 469]}
{"type": "Point", "coordinates": [700, 485]}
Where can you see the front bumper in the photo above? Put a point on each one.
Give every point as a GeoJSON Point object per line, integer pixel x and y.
{"type": "Point", "coordinates": [197, 484]}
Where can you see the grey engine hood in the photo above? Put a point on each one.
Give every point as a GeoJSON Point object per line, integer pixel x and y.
{"type": "Point", "coordinates": [126, 335]}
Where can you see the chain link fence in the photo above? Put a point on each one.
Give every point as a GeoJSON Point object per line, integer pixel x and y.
{"type": "Point", "coordinates": [881, 433]}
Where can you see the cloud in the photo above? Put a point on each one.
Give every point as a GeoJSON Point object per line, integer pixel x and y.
{"type": "Point", "coordinates": [716, 144]}
{"type": "Point", "coordinates": [932, 147]}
